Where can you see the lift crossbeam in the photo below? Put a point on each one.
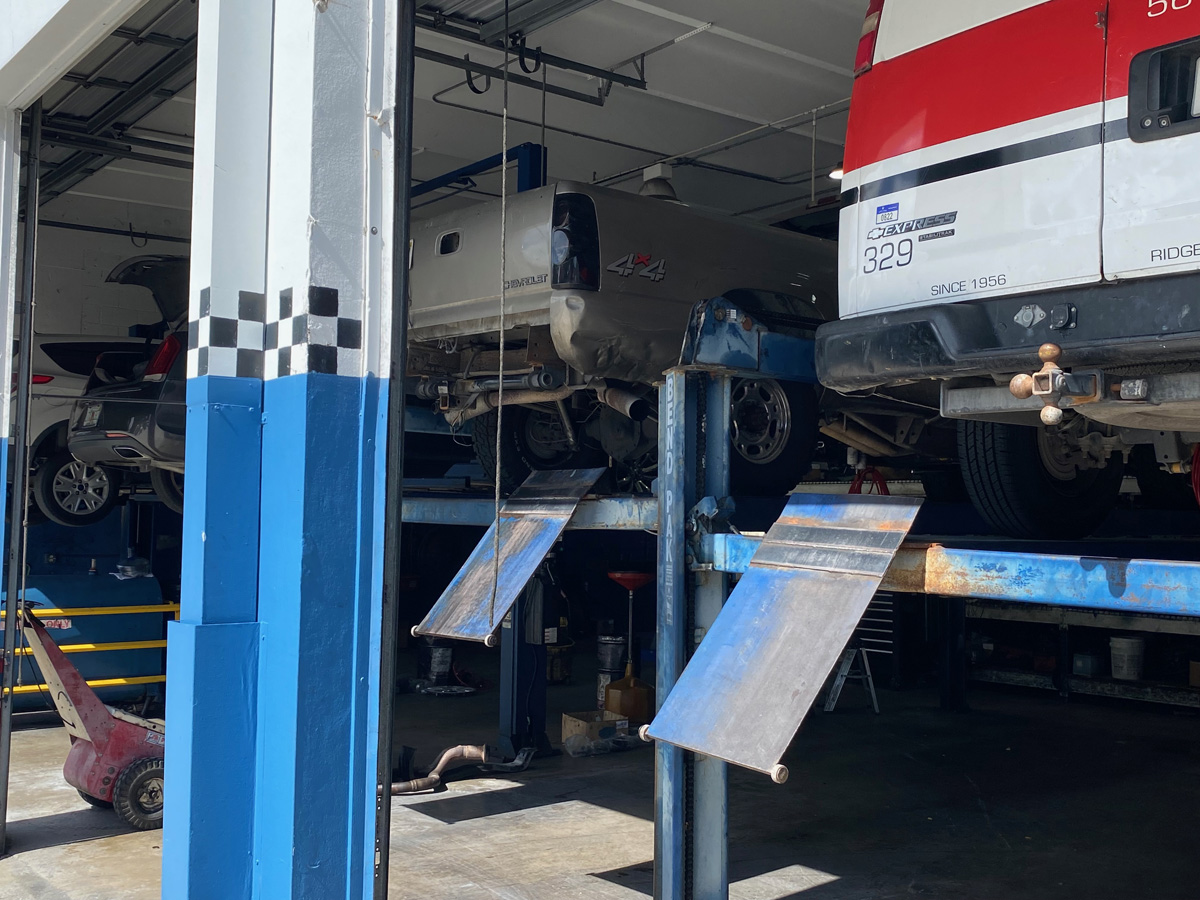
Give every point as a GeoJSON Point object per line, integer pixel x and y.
{"type": "Point", "coordinates": [593, 514]}
{"type": "Point", "coordinates": [1162, 587]}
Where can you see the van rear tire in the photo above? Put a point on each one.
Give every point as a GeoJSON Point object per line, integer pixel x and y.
{"type": "Point", "coordinates": [1011, 486]}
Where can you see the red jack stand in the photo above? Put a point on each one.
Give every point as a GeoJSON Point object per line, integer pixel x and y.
{"type": "Point", "coordinates": [116, 758]}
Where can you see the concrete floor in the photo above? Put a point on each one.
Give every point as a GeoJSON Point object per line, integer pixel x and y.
{"type": "Point", "coordinates": [1024, 797]}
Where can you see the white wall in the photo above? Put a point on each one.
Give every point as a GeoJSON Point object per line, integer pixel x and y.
{"type": "Point", "coordinates": [42, 39]}
{"type": "Point", "coordinates": [72, 295]}
{"type": "Point", "coordinates": [10, 147]}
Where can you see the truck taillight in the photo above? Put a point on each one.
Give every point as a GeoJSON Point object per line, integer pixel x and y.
{"type": "Point", "coordinates": [865, 57]}
{"type": "Point", "coordinates": [162, 360]}
{"type": "Point", "coordinates": [575, 243]}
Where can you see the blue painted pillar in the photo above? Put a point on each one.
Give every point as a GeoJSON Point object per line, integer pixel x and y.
{"type": "Point", "coordinates": [678, 433]}
{"type": "Point", "coordinates": [323, 454]}
{"type": "Point", "coordinates": [710, 818]}
{"type": "Point", "coordinates": [212, 650]}
{"type": "Point", "coordinates": [691, 794]}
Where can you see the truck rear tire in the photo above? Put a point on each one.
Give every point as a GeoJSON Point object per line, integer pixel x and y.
{"type": "Point", "coordinates": [773, 429]}
{"type": "Point", "coordinates": [531, 443]}
{"type": "Point", "coordinates": [1012, 487]}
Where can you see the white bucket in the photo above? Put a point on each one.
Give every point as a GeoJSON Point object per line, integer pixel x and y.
{"type": "Point", "coordinates": [1128, 656]}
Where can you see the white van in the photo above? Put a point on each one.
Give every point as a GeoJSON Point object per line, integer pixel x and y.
{"type": "Point", "coordinates": [1020, 244]}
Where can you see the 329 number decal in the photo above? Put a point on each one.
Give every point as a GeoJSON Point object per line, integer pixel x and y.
{"type": "Point", "coordinates": [1162, 7]}
{"type": "Point", "coordinates": [880, 258]}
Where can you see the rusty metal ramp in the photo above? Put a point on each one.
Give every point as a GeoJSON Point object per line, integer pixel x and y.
{"type": "Point", "coordinates": [758, 670]}
{"type": "Point", "coordinates": [531, 520]}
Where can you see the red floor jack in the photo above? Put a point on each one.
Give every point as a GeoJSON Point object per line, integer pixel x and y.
{"type": "Point", "coordinates": [116, 758]}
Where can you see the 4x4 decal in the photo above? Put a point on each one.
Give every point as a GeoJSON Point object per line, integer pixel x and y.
{"type": "Point", "coordinates": [628, 264]}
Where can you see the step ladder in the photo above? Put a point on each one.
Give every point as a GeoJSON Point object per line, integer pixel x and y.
{"type": "Point", "coordinates": [475, 603]}
{"type": "Point", "coordinates": [845, 671]}
{"type": "Point", "coordinates": [762, 664]}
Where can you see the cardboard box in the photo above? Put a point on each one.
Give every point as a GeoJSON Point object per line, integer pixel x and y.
{"type": "Point", "coordinates": [595, 724]}
{"type": "Point", "coordinates": [1194, 673]}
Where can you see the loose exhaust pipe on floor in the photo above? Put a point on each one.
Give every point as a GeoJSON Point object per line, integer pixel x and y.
{"type": "Point", "coordinates": [461, 753]}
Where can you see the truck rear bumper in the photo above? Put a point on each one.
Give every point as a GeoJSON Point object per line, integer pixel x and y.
{"type": "Point", "coordinates": [1123, 324]}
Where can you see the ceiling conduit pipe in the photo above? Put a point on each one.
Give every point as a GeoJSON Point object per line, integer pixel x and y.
{"type": "Point", "coordinates": [779, 126]}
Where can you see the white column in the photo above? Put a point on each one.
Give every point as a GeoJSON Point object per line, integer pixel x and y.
{"type": "Point", "coordinates": [212, 663]}
{"type": "Point", "coordinates": [324, 440]}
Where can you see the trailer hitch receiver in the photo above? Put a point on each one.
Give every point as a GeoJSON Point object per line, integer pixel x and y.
{"type": "Point", "coordinates": [1055, 386]}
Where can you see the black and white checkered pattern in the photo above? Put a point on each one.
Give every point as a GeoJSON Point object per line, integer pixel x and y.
{"type": "Point", "coordinates": [228, 345]}
{"type": "Point", "coordinates": [314, 334]}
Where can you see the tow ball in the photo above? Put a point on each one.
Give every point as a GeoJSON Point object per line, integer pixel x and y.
{"type": "Point", "coordinates": [1055, 386]}
{"type": "Point", "coordinates": [116, 758]}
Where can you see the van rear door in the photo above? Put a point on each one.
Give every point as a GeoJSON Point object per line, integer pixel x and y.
{"type": "Point", "coordinates": [975, 151]}
{"type": "Point", "coordinates": [1152, 139]}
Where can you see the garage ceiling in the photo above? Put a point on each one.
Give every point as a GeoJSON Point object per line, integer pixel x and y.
{"type": "Point", "coordinates": [728, 94]}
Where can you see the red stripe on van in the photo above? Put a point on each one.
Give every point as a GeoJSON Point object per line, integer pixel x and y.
{"type": "Point", "coordinates": [1043, 60]}
{"type": "Point", "coordinates": [1131, 29]}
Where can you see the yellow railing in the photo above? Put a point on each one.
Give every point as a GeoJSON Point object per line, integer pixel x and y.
{"type": "Point", "coordinates": [99, 682]}
{"type": "Point", "coordinates": [50, 612]}
{"type": "Point", "coordinates": [100, 648]}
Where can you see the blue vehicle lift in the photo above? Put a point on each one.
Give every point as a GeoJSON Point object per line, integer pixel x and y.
{"type": "Point", "coordinates": [803, 587]}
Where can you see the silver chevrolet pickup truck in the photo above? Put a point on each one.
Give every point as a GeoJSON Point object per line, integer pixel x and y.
{"type": "Point", "coordinates": [598, 289]}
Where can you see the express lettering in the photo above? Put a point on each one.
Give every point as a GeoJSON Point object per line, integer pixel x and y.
{"type": "Point", "coordinates": [1170, 254]}
{"type": "Point", "coordinates": [912, 225]}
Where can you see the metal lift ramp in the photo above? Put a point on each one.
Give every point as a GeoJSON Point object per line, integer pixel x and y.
{"type": "Point", "coordinates": [530, 522]}
{"type": "Point", "coordinates": [759, 669]}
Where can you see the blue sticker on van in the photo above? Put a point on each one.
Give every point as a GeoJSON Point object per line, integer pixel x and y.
{"type": "Point", "coordinates": [889, 213]}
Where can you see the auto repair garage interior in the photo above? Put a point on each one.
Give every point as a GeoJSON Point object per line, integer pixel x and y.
{"type": "Point", "coordinates": [531, 544]}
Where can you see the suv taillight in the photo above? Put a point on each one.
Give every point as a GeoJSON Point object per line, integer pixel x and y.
{"type": "Point", "coordinates": [865, 57]}
{"type": "Point", "coordinates": [35, 379]}
{"type": "Point", "coordinates": [162, 360]}
{"type": "Point", "coordinates": [575, 243]}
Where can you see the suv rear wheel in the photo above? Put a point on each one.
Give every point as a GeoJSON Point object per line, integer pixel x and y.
{"type": "Point", "coordinates": [1022, 483]}
{"type": "Point", "coordinates": [74, 493]}
{"type": "Point", "coordinates": [169, 488]}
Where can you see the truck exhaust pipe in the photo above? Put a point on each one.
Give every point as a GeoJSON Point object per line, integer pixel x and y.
{"type": "Point", "coordinates": [625, 402]}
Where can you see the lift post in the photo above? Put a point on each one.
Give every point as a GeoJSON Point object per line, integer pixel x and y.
{"type": "Point", "coordinates": [691, 789]}
{"type": "Point", "coordinates": [522, 665]}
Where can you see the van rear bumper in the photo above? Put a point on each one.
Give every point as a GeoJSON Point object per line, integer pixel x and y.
{"type": "Point", "coordinates": [1145, 322]}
